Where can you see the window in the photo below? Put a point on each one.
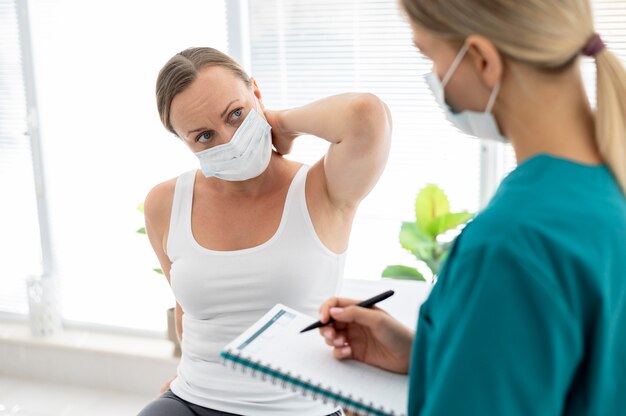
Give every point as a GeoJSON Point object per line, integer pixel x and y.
{"type": "Point", "coordinates": [20, 253]}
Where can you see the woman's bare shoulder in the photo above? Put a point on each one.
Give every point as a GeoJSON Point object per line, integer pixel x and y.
{"type": "Point", "coordinates": [158, 201]}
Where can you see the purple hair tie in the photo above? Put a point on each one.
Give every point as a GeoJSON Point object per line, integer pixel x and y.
{"type": "Point", "coordinates": [594, 45]}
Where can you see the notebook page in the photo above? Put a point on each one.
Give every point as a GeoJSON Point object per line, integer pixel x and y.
{"type": "Point", "coordinates": [276, 340]}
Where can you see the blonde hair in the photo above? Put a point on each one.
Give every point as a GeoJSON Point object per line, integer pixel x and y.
{"type": "Point", "coordinates": [182, 69]}
{"type": "Point", "coordinates": [548, 35]}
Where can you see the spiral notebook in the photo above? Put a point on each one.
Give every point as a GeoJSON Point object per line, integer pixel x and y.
{"type": "Point", "coordinates": [274, 350]}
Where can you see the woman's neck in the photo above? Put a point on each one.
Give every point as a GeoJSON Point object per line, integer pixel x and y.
{"type": "Point", "coordinates": [549, 113]}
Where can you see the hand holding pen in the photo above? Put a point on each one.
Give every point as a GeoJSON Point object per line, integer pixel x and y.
{"type": "Point", "coordinates": [366, 334]}
{"type": "Point", "coordinates": [368, 303]}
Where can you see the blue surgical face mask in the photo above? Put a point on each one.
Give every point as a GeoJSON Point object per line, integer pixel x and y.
{"type": "Point", "coordinates": [482, 125]}
{"type": "Point", "coordinates": [246, 156]}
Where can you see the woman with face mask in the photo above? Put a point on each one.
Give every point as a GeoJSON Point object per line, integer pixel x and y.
{"type": "Point", "coordinates": [528, 316]}
{"type": "Point", "coordinates": [250, 228]}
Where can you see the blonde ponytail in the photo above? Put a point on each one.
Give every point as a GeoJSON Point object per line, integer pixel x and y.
{"type": "Point", "coordinates": [611, 113]}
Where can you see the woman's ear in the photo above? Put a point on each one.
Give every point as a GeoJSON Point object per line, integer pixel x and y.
{"type": "Point", "coordinates": [257, 92]}
{"type": "Point", "coordinates": [486, 59]}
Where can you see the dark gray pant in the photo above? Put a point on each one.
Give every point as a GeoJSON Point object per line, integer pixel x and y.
{"type": "Point", "coordinates": [170, 404]}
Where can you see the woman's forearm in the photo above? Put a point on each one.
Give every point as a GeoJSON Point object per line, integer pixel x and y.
{"type": "Point", "coordinates": [339, 117]}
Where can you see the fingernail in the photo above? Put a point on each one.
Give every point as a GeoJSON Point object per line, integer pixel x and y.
{"type": "Point", "coordinates": [345, 351]}
{"type": "Point", "coordinates": [336, 311]}
{"type": "Point", "coordinates": [328, 335]}
{"type": "Point", "coordinates": [338, 342]}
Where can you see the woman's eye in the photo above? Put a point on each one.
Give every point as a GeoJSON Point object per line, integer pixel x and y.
{"type": "Point", "coordinates": [235, 115]}
{"type": "Point", "coordinates": [204, 137]}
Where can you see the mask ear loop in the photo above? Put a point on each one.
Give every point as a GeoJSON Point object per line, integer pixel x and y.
{"type": "Point", "coordinates": [257, 104]}
{"type": "Point", "coordinates": [455, 64]}
{"type": "Point", "coordinates": [492, 98]}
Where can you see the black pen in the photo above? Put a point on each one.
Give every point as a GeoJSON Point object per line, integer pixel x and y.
{"type": "Point", "coordinates": [365, 304]}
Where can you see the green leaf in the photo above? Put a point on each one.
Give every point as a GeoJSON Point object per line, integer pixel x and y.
{"type": "Point", "coordinates": [431, 202]}
{"type": "Point", "coordinates": [414, 240]}
{"type": "Point", "coordinates": [142, 230]}
{"type": "Point", "coordinates": [159, 271]}
{"type": "Point", "coordinates": [402, 272]}
{"type": "Point", "coordinates": [140, 207]}
{"type": "Point", "coordinates": [448, 222]}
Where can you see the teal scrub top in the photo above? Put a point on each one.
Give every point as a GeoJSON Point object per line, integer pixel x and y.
{"type": "Point", "coordinates": [528, 316]}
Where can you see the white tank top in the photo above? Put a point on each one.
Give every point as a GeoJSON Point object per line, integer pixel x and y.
{"type": "Point", "coordinates": [224, 292]}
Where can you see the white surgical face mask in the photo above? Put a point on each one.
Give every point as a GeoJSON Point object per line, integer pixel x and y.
{"type": "Point", "coordinates": [482, 125]}
{"type": "Point", "coordinates": [246, 156]}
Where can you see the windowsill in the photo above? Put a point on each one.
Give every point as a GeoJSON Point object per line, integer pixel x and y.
{"type": "Point", "coordinates": [123, 362]}
{"type": "Point", "coordinates": [18, 333]}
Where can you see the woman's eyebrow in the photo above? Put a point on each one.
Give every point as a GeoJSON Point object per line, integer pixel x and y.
{"type": "Point", "coordinates": [195, 130]}
{"type": "Point", "coordinates": [227, 107]}
{"type": "Point", "coordinates": [221, 115]}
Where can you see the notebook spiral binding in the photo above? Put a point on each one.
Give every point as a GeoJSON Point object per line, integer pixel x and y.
{"type": "Point", "coordinates": [295, 383]}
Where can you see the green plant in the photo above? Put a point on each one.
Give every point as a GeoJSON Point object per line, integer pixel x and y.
{"type": "Point", "coordinates": [142, 230]}
{"type": "Point", "coordinates": [423, 238]}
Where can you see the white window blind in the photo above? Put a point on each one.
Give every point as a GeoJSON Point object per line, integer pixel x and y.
{"type": "Point", "coordinates": [20, 253]}
{"type": "Point", "coordinates": [302, 50]}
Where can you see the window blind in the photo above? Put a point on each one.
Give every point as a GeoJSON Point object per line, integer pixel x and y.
{"type": "Point", "coordinates": [20, 252]}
